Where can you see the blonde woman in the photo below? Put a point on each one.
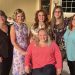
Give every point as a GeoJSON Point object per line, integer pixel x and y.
{"type": "Point", "coordinates": [19, 37]}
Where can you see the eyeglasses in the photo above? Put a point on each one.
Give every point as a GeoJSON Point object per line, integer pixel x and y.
{"type": "Point", "coordinates": [57, 11]}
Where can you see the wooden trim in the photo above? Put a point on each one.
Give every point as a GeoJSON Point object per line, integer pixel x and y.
{"type": "Point", "coordinates": [49, 16]}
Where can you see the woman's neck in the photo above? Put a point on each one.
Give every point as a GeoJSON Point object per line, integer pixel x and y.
{"type": "Point", "coordinates": [58, 21]}
{"type": "Point", "coordinates": [2, 25]}
{"type": "Point", "coordinates": [41, 22]}
{"type": "Point", "coordinates": [42, 43]}
{"type": "Point", "coordinates": [19, 23]}
{"type": "Point", "coordinates": [41, 25]}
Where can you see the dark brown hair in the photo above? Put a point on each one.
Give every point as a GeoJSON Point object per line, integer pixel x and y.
{"type": "Point", "coordinates": [70, 23]}
{"type": "Point", "coordinates": [36, 19]}
{"type": "Point", "coordinates": [2, 13]}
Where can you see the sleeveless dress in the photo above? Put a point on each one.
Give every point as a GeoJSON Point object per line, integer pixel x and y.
{"type": "Point", "coordinates": [18, 59]}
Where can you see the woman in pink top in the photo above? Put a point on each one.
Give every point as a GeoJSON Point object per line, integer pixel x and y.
{"type": "Point", "coordinates": [44, 56]}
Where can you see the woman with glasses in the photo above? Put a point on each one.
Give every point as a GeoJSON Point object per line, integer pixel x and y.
{"type": "Point", "coordinates": [59, 25]}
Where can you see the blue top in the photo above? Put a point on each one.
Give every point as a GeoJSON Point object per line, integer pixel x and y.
{"type": "Point", "coordinates": [69, 38]}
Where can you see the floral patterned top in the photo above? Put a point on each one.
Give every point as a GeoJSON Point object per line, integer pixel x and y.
{"type": "Point", "coordinates": [18, 65]}
{"type": "Point", "coordinates": [59, 37]}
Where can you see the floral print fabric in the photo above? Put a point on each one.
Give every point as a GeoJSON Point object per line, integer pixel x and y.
{"type": "Point", "coordinates": [18, 59]}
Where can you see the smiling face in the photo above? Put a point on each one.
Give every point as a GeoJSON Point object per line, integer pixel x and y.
{"type": "Point", "coordinates": [41, 17]}
{"type": "Point", "coordinates": [42, 35]}
{"type": "Point", "coordinates": [19, 18]}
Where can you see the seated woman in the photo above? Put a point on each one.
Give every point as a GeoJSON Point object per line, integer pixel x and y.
{"type": "Point", "coordinates": [44, 55]}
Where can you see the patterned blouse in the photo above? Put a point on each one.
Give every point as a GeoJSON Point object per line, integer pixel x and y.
{"type": "Point", "coordinates": [59, 37]}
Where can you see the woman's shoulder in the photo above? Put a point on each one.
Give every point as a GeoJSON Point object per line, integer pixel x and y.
{"type": "Point", "coordinates": [54, 44]}
{"type": "Point", "coordinates": [66, 22]}
{"type": "Point", "coordinates": [32, 26]}
{"type": "Point", "coordinates": [67, 29]}
{"type": "Point", "coordinates": [12, 26]}
{"type": "Point", "coordinates": [34, 30]}
{"type": "Point", "coordinates": [67, 32]}
{"type": "Point", "coordinates": [32, 44]}
{"type": "Point", "coordinates": [25, 25]}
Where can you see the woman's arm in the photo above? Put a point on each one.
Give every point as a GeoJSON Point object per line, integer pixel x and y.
{"type": "Point", "coordinates": [58, 58]}
{"type": "Point", "coordinates": [13, 40]}
{"type": "Point", "coordinates": [28, 59]}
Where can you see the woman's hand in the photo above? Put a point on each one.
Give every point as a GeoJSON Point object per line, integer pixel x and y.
{"type": "Point", "coordinates": [58, 72]}
{"type": "Point", "coordinates": [24, 53]}
{"type": "Point", "coordinates": [0, 59]}
{"type": "Point", "coordinates": [27, 69]}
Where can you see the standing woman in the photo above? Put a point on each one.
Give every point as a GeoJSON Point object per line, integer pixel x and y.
{"type": "Point", "coordinates": [19, 39]}
{"type": "Point", "coordinates": [69, 37]}
{"type": "Point", "coordinates": [58, 25]}
{"type": "Point", "coordinates": [5, 45]}
{"type": "Point", "coordinates": [41, 21]}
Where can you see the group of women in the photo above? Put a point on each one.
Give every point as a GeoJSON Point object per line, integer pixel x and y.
{"type": "Point", "coordinates": [43, 50]}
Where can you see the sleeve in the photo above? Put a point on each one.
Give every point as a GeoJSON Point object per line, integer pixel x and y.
{"type": "Point", "coordinates": [58, 57]}
{"type": "Point", "coordinates": [3, 45]}
{"type": "Point", "coordinates": [29, 55]}
{"type": "Point", "coordinates": [66, 34]}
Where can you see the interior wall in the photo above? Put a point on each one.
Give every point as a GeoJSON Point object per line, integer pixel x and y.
{"type": "Point", "coordinates": [29, 7]}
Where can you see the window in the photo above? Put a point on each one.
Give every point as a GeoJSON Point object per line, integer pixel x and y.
{"type": "Point", "coordinates": [45, 5]}
{"type": "Point", "coordinates": [68, 5]}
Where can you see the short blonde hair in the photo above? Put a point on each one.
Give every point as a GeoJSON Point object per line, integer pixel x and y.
{"type": "Point", "coordinates": [17, 11]}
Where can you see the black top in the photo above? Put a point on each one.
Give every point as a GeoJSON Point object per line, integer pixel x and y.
{"type": "Point", "coordinates": [59, 35]}
{"type": "Point", "coordinates": [5, 44]}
